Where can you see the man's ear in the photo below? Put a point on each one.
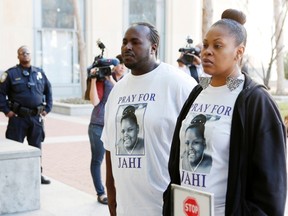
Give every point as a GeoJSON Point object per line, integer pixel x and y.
{"type": "Point", "coordinates": [154, 48]}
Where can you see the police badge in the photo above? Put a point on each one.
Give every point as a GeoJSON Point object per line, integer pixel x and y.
{"type": "Point", "coordinates": [3, 77]}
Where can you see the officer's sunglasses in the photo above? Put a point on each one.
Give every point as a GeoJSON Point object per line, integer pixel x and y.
{"type": "Point", "coordinates": [24, 53]}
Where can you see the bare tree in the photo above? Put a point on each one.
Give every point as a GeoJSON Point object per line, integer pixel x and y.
{"type": "Point", "coordinates": [81, 48]}
{"type": "Point", "coordinates": [280, 14]}
{"type": "Point", "coordinates": [207, 16]}
{"type": "Point", "coordinates": [279, 17]}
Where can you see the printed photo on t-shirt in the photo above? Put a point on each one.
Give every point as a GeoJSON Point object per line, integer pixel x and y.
{"type": "Point", "coordinates": [130, 130]}
{"type": "Point", "coordinates": [195, 155]}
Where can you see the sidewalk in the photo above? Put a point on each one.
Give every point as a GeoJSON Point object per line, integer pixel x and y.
{"type": "Point", "coordinates": [66, 162]}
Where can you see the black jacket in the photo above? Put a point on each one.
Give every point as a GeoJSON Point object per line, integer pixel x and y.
{"type": "Point", "coordinates": [257, 161]}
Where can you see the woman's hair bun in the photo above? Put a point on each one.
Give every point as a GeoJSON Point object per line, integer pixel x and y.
{"type": "Point", "coordinates": [234, 14]}
{"type": "Point", "coordinates": [128, 110]}
{"type": "Point", "coordinates": [199, 119]}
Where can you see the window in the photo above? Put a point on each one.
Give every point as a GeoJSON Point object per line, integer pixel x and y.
{"type": "Point", "coordinates": [56, 44]}
{"type": "Point", "coordinates": [152, 11]}
{"type": "Point", "coordinates": [142, 11]}
{"type": "Point", "coordinates": [57, 14]}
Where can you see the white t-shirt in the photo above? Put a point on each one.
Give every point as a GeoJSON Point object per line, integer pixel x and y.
{"type": "Point", "coordinates": [142, 176]}
{"type": "Point", "coordinates": [210, 172]}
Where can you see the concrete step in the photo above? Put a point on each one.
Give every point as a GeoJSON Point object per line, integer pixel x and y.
{"type": "Point", "coordinates": [58, 199]}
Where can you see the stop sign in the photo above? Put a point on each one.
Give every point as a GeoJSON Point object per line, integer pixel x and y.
{"type": "Point", "coordinates": [191, 207]}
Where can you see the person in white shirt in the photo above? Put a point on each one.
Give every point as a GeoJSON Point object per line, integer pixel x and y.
{"type": "Point", "coordinates": [156, 91]}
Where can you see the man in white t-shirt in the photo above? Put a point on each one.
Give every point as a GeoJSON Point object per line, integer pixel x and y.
{"type": "Point", "coordinates": [140, 117]}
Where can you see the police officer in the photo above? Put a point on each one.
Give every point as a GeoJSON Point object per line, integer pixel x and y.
{"type": "Point", "coordinates": [25, 97]}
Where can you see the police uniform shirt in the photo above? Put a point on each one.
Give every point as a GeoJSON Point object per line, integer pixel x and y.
{"type": "Point", "coordinates": [26, 86]}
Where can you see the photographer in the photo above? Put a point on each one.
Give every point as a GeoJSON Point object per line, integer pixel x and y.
{"type": "Point", "coordinates": [100, 82]}
{"type": "Point", "coordinates": [98, 94]}
{"type": "Point", "coordinates": [190, 62]}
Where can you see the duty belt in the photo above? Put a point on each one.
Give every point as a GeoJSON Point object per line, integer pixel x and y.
{"type": "Point", "coordinates": [25, 111]}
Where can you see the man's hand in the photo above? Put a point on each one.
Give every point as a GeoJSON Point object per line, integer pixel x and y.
{"type": "Point", "coordinates": [44, 113]}
{"type": "Point", "coordinates": [196, 59]}
{"type": "Point", "coordinates": [10, 114]}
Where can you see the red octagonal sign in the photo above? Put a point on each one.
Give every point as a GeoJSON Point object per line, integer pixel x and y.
{"type": "Point", "coordinates": [191, 207]}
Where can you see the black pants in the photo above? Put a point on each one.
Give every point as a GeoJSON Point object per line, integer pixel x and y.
{"type": "Point", "coordinates": [30, 126]}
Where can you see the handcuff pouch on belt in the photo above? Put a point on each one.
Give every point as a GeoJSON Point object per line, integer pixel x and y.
{"type": "Point", "coordinates": [24, 111]}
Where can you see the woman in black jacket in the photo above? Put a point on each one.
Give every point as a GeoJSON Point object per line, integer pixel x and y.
{"type": "Point", "coordinates": [244, 132]}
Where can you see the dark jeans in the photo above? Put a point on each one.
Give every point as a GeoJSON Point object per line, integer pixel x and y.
{"type": "Point", "coordinates": [97, 152]}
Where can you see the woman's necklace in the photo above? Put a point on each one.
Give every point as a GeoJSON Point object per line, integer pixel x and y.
{"type": "Point", "coordinates": [132, 148]}
{"type": "Point", "coordinates": [231, 82]}
{"type": "Point", "coordinates": [197, 164]}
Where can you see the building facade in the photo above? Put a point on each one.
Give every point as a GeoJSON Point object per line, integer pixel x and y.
{"type": "Point", "coordinates": [49, 28]}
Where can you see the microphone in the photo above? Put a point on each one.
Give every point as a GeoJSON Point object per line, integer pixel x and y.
{"type": "Point", "coordinates": [100, 44]}
{"type": "Point", "coordinates": [106, 62]}
{"type": "Point", "coordinates": [190, 49]}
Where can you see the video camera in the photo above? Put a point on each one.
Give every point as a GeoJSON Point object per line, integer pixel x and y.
{"type": "Point", "coordinates": [102, 65]}
{"type": "Point", "coordinates": [188, 59]}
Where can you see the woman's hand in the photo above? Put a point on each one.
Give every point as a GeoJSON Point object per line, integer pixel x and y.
{"type": "Point", "coordinates": [93, 73]}
{"type": "Point", "coordinates": [110, 79]}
